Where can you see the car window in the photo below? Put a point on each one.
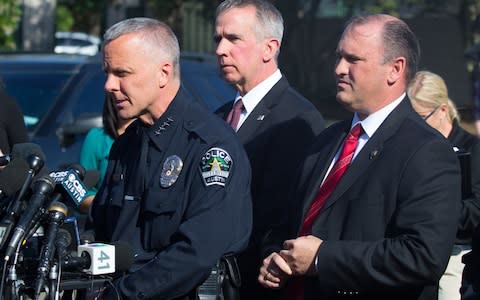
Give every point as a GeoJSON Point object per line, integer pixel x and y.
{"type": "Point", "coordinates": [211, 89]}
{"type": "Point", "coordinates": [88, 98]}
{"type": "Point", "coordinates": [35, 92]}
{"type": "Point", "coordinates": [82, 95]}
{"type": "Point", "coordinates": [72, 42]}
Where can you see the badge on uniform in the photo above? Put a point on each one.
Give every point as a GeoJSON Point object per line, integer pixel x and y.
{"type": "Point", "coordinates": [215, 166]}
{"type": "Point", "coordinates": [171, 169]}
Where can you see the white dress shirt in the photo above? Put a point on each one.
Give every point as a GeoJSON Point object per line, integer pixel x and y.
{"type": "Point", "coordinates": [253, 97]}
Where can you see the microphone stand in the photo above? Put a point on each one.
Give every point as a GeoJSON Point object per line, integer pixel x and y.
{"type": "Point", "coordinates": [53, 290]}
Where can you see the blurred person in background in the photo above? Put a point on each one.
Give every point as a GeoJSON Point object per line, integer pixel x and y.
{"type": "Point", "coordinates": [273, 121]}
{"type": "Point", "coordinates": [429, 96]}
{"type": "Point", "coordinates": [12, 125]}
{"type": "Point", "coordinates": [97, 144]}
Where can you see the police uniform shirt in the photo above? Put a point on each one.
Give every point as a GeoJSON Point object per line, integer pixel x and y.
{"type": "Point", "coordinates": [179, 192]}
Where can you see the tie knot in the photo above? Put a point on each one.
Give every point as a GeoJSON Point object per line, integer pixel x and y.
{"type": "Point", "coordinates": [238, 106]}
{"type": "Point", "coordinates": [356, 131]}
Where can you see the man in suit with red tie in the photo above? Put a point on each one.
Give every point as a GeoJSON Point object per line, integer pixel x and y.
{"type": "Point", "coordinates": [272, 120]}
{"type": "Point", "coordinates": [375, 206]}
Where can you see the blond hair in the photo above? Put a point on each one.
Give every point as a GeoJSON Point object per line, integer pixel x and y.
{"type": "Point", "coordinates": [429, 89]}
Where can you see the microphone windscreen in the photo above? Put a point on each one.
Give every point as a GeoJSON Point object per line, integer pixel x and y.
{"type": "Point", "coordinates": [123, 255]}
{"type": "Point", "coordinates": [13, 176]}
{"type": "Point", "coordinates": [91, 178]}
{"type": "Point", "coordinates": [23, 150]}
{"type": "Point", "coordinates": [79, 169]}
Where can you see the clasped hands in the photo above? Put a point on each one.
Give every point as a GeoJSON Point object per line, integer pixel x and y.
{"type": "Point", "coordinates": [296, 259]}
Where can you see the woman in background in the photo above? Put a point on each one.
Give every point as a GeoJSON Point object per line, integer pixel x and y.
{"type": "Point", "coordinates": [97, 144]}
{"type": "Point", "coordinates": [429, 96]}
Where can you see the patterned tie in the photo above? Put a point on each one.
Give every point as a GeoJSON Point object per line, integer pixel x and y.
{"type": "Point", "coordinates": [295, 290]}
{"type": "Point", "coordinates": [234, 114]}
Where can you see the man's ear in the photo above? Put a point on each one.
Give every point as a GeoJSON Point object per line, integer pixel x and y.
{"type": "Point", "coordinates": [165, 72]}
{"type": "Point", "coordinates": [397, 70]}
{"type": "Point", "coordinates": [270, 49]}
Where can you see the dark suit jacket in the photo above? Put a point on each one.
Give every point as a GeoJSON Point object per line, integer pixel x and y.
{"type": "Point", "coordinates": [469, 145]}
{"type": "Point", "coordinates": [275, 135]}
{"type": "Point", "coordinates": [389, 226]}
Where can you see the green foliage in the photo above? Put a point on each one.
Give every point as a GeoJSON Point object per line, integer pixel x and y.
{"type": "Point", "coordinates": [10, 14]}
{"type": "Point", "coordinates": [84, 16]}
{"type": "Point", "coordinates": [64, 18]}
{"type": "Point", "coordinates": [384, 6]}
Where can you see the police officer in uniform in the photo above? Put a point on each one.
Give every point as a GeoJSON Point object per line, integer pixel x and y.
{"type": "Point", "coordinates": [178, 181]}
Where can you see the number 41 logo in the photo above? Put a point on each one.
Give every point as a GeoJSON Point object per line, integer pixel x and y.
{"type": "Point", "coordinates": [104, 260]}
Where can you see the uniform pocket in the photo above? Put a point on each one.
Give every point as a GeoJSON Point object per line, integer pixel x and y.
{"type": "Point", "coordinates": [161, 218]}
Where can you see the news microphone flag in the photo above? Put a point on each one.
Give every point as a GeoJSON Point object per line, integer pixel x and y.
{"type": "Point", "coordinates": [71, 183]}
{"type": "Point", "coordinates": [102, 258]}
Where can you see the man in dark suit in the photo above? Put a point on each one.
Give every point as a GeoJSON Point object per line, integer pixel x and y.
{"type": "Point", "coordinates": [275, 123]}
{"type": "Point", "coordinates": [386, 229]}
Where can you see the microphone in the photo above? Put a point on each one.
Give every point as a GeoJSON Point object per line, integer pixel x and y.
{"type": "Point", "coordinates": [23, 150]}
{"type": "Point", "coordinates": [11, 179]}
{"type": "Point", "coordinates": [56, 214]}
{"type": "Point", "coordinates": [35, 159]}
{"type": "Point", "coordinates": [5, 160]}
{"type": "Point", "coordinates": [69, 184]}
{"type": "Point", "coordinates": [12, 176]}
{"type": "Point", "coordinates": [100, 258]}
{"type": "Point", "coordinates": [42, 188]}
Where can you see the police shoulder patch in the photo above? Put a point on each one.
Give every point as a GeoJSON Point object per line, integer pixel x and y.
{"type": "Point", "coordinates": [215, 166]}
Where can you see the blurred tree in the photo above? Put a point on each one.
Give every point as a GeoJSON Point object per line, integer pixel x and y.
{"type": "Point", "coordinates": [84, 16]}
{"type": "Point", "coordinates": [64, 18]}
{"type": "Point", "coordinates": [10, 14]}
{"type": "Point", "coordinates": [87, 15]}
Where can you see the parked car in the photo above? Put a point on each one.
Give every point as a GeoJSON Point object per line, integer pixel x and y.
{"type": "Point", "coordinates": [61, 96]}
{"type": "Point", "coordinates": [76, 43]}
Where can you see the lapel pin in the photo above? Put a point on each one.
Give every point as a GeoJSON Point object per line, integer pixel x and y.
{"type": "Point", "coordinates": [260, 117]}
{"type": "Point", "coordinates": [373, 154]}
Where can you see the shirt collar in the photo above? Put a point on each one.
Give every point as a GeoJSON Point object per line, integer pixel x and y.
{"type": "Point", "coordinates": [162, 131]}
{"type": "Point", "coordinates": [373, 121]}
{"type": "Point", "coordinates": [253, 97]}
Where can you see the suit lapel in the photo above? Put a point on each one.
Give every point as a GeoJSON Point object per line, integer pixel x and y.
{"type": "Point", "coordinates": [321, 161]}
{"type": "Point", "coordinates": [254, 121]}
{"type": "Point", "coordinates": [371, 151]}
{"type": "Point", "coordinates": [259, 115]}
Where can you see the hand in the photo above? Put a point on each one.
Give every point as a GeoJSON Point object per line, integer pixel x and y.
{"type": "Point", "coordinates": [86, 203]}
{"type": "Point", "coordinates": [300, 254]}
{"type": "Point", "coordinates": [274, 272]}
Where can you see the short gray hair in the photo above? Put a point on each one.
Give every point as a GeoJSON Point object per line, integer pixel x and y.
{"type": "Point", "coordinates": [269, 18]}
{"type": "Point", "coordinates": [156, 33]}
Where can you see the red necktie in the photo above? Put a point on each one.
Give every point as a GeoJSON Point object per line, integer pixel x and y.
{"type": "Point", "coordinates": [295, 289]}
{"type": "Point", "coordinates": [234, 115]}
